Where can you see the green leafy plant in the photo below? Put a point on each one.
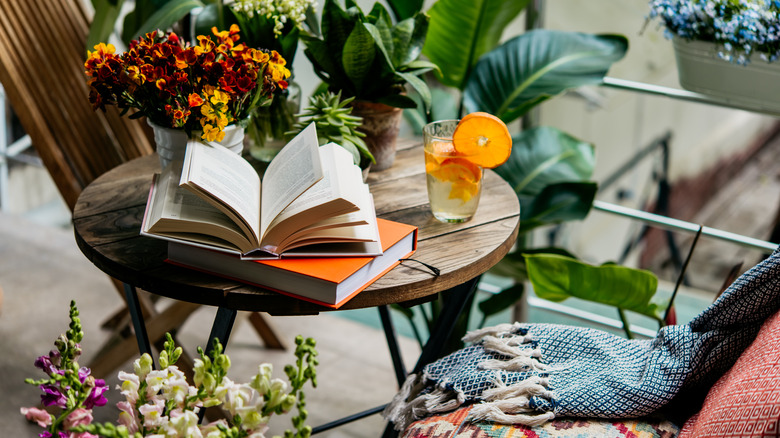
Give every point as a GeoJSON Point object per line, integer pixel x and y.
{"type": "Point", "coordinates": [549, 169]}
{"type": "Point", "coordinates": [335, 123]}
{"type": "Point", "coordinates": [558, 277]}
{"type": "Point", "coordinates": [367, 56]}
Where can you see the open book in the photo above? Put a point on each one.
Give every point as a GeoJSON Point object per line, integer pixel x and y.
{"type": "Point", "coordinates": [312, 201]}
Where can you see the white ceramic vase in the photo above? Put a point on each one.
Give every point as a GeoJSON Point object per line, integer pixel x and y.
{"type": "Point", "coordinates": [752, 86]}
{"type": "Point", "coordinates": [171, 143]}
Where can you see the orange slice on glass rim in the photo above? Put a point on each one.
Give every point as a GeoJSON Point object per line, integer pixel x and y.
{"type": "Point", "coordinates": [483, 139]}
{"type": "Point", "coordinates": [459, 169]}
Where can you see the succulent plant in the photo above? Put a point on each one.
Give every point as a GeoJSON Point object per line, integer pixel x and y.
{"type": "Point", "coordinates": [335, 123]}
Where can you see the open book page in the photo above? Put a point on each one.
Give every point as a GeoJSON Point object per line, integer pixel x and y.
{"type": "Point", "coordinates": [227, 181]}
{"type": "Point", "coordinates": [293, 170]}
{"type": "Point", "coordinates": [339, 192]}
{"type": "Point", "coordinates": [175, 212]}
{"type": "Point", "coordinates": [358, 226]}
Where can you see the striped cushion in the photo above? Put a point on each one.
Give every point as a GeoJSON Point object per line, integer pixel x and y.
{"type": "Point", "coordinates": [745, 402]}
{"type": "Point", "coordinates": [452, 424]}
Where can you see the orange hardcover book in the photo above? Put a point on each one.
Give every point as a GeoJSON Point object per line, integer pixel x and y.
{"type": "Point", "coordinates": [329, 281]}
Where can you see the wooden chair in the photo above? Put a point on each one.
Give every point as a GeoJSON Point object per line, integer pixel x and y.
{"type": "Point", "coordinates": [42, 52]}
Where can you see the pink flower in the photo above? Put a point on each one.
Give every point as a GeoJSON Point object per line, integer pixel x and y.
{"type": "Point", "coordinates": [39, 416]}
{"type": "Point", "coordinates": [78, 417]}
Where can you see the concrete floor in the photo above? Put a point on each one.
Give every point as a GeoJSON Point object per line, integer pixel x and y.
{"type": "Point", "coordinates": [41, 270]}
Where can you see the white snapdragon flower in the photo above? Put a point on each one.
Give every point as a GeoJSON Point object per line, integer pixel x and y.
{"type": "Point", "coordinates": [129, 387]}
{"type": "Point", "coordinates": [143, 366]}
{"type": "Point", "coordinates": [154, 414]}
{"type": "Point", "coordinates": [176, 387]}
{"type": "Point", "coordinates": [183, 424]}
{"type": "Point", "coordinates": [127, 416]}
{"type": "Point", "coordinates": [155, 380]}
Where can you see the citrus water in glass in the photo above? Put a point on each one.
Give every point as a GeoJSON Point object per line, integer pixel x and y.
{"type": "Point", "coordinates": [454, 182]}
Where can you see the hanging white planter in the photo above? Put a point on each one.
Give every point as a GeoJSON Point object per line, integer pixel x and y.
{"type": "Point", "coordinates": [755, 86]}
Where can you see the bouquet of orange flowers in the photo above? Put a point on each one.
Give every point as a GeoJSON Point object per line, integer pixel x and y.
{"type": "Point", "coordinates": [197, 88]}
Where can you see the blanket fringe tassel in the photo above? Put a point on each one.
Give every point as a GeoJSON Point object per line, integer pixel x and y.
{"type": "Point", "coordinates": [505, 404]}
{"type": "Point", "coordinates": [411, 403]}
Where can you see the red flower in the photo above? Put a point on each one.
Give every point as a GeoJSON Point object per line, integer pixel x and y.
{"type": "Point", "coordinates": [194, 100]}
{"type": "Point", "coordinates": [163, 77]}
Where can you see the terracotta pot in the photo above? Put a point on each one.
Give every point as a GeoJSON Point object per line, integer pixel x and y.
{"type": "Point", "coordinates": [381, 124]}
{"type": "Point", "coordinates": [171, 143]}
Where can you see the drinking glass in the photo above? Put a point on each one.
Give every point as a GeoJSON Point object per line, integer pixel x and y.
{"type": "Point", "coordinates": [454, 182]}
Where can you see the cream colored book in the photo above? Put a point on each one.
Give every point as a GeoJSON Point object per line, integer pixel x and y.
{"type": "Point", "coordinates": [311, 201]}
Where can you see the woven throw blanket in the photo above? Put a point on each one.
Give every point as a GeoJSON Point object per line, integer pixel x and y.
{"type": "Point", "coordinates": [531, 373]}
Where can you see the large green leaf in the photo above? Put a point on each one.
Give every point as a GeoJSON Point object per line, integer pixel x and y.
{"type": "Point", "coordinates": [501, 301]}
{"type": "Point", "coordinates": [544, 155]}
{"type": "Point", "coordinates": [513, 264]}
{"type": "Point", "coordinates": [219, 16]}
{"type": "Point", "coordinates": [444, 107]}
{"type": "Point", "coordinates": [557, 278]}
{"type": "Point", "coordinates": [104, 21]}
{"type": "Point", "coordinates": [419, 86]}
{"type": "Point", "coordinates": [380, 18]}
{"type": "Point", "coordinates": [403, 9]}
{"type": "Point", "coordinates": [167, 15]}
{"type": "Point", "coordinates": [358, 55]}
{"type": "Point", "coordinates": [461, 31]}
{"type": "Point", "coordinates": [384, 66]}
{"type": "Point", "coordinates": [336, 26]}
{"type": "Point", "coordinates": [539, 63]}
{"type": "Point", "coordinates": [558, 202]}
{"type": "Point", "coordinates": [549, 170]}
{"type": "Point", "coordinates": [408, 39]}
{"type": "Point", "coordinates": [319, 55]}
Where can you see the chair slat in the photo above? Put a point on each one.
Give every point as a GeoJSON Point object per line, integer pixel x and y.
{"type": "Point", "coordinates": [43, 52]}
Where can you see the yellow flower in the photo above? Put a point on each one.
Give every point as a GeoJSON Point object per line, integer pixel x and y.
{"type": "Point", "coordinates": [101, 50]}
{"type": "Point", "coordinates": [205, 45]}
{"type": "Point", "coordinates": [135, 75]}
{"type": "Point", "coordinates": [222, 120]}
{"type": "Point", "coordinates": [219, 97]}
{"type": "Point", "coordinates": [208, 91]}
{"type": "Point", "coordinates": [209, 112]}
{"type": "Point", "coordinates": [211, 133]}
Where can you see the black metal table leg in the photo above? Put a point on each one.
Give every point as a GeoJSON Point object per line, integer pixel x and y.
{"type": "Point", "coordinates": [457, 297]}
{"type": "Point", "coordinates": [137, 316]}
{"type": "Point", "coordinates": [223, 324]}
{"type": "Point", "coordinates": [392, 344]}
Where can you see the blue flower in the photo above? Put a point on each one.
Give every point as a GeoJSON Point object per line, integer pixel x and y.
{"type": "Point", "coordinates": [740, 29]}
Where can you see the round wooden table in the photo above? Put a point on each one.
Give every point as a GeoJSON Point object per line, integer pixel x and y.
{"type": "Point", "coordinates": [107, 219]}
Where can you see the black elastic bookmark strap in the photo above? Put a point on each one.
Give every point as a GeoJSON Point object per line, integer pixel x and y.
{"type": "Point", "coordinates": [436, 272]}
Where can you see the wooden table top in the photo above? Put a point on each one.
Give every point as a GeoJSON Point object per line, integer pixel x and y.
{"type": "Point", "coordinates": [108, 213]}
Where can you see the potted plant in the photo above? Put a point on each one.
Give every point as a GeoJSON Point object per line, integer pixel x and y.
{"type": "Point", "coordinates": [335, 123]}
{"type": "Point", "coordinates": [204, 91]}
{"type": "Point", "coordinates": [276, 25]}
{"type": "Point", "coordinates": [370, 59]}
{"type": "Point", "coordinates": [725, 48]}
